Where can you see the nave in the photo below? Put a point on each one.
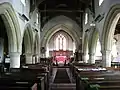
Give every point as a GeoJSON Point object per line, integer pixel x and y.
{"type": "Point", "coordinates": [59, 44]}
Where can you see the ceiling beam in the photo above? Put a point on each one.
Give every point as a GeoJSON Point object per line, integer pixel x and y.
{"type": "Point", "coordinates": [83, 1]}
{"type": "Point", "coordinates": [54, 10]}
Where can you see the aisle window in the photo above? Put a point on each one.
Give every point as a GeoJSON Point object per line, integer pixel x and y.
{"type": "Point", "coordinates": [98, 49]}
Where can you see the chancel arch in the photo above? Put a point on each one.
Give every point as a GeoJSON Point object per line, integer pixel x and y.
{"type": "Point", "coordinates": [55, 29]}
{"type": "Point", "coordinates": [61, 23]}
{"type": "Point", "coordinates": [62, 40]}
{"type": "Point", "coordinates": [61, 45]}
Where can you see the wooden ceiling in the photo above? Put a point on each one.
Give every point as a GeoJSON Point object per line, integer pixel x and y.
{"type": "Point", "coordinates": [70, 8]}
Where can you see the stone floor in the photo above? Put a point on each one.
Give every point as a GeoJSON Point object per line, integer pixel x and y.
{"type": "Point", "coordinates": [62, 84]}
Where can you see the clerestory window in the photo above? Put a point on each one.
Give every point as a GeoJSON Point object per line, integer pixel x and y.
{"type": "Point", "coordinates": [23, 2]}
{"type": "Point", "coordinates": [100, 2]}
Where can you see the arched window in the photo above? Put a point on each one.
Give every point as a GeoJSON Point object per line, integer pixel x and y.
{"type": "Point", "coordinates": [98, 49]}
{"type": "Point", "coordinates": [37, 18]}
{"type": "Point", "coordinates": [86, 18]}
{"type": "Point", "coordinates": [114, 49]}
{"type": "Point", "coordinates": [23, 2]}
{"type": "Point", "coordinates": [60, 42]}
{"type": "Point", "coordinates": [100, 2]}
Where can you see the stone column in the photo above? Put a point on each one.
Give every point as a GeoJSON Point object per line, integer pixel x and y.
{"type": "Point", "coordinates": [106, 58]}
{"type": "Point", "coordinates": [92, 58]}
{"type": "Point", "coordinates": [33, 60]}
{"type": "Point", "coordinates": [37, 58]}
{"type": "Point", "coordinates": [15, 60]}
{"type": "Point", "coordinates": [29, 58]}
{"type": "Point", "coordinates": [85, 57]}
{"type": "Point", "coordinates": [76, 56]}
{"type": "Point", "coordinates": [80, 55]}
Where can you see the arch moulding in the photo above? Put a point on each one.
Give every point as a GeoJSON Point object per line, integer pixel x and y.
{"type": "Point", "coordinates": [93, 41]}
{"type": "Point", "coordinates": [109, 27]}
{"type": "Point", "coordinates": [55, 29]}
{"type": "Point", "coordinates": [28, 38]}
{"type": "Point", "coordinates": [63, 22]}
{"type": "Point", "coordinates": [12, 26]}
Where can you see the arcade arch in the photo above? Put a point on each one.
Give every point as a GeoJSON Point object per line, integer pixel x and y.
{"type": "Point", "coordinates": [27, 48]}
{"type": "Point", "coordinates": [112, 19]}
{"type": "Point", "coordinates": [13, 34]}
{"type": "Point", "coordinates": [86, 49]}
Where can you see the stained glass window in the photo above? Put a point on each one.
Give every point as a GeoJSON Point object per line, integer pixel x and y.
{"type": "Point", "coordinates": [60, 42]}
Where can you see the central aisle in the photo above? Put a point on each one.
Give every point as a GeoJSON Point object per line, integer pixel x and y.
{"type": "Point", "coordinates": [62, 76]}
{"type": "Point", "coordinates": [61, 79]}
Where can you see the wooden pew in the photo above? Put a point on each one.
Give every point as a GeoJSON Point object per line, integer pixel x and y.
{"type": "Point", "coordinates": [95, 74]}
{"type": "Point", "coordinates": [18, 81]}
{"type": "Point", "coordinates": [89, 79]}
{"type": "Point", "coordinates": [41, 70]}
{"type": "Point", "coordinates": [75, 66]}
{"type": "Point", "coordinates": [101, 84]}
{"type": "Point", "coordinates": [28, 78]}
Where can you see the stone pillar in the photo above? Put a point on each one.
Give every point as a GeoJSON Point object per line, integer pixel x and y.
{"type": "Point", "coordinates": [76, 56]}
{"type": "Point", "coordinates": [15, 60]}
{"type": "Point", "coordinates": [85, 57]}
{"type": "Point", "coordinates": [106, 58]}
{"type": "Point", "coordinates": [92, 58]}
{"type": "Point", "coordinates": [37, 58]}
{"type": "Point", "coordinates": [80, 55]}
{"type": "Point", "coordinates": [29, 58]}
{"type": "Point", "coordinates": [33, 60]}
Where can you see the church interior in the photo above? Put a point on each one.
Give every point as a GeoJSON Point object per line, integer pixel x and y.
{"type": "Point", "coordinates": [59, 45]}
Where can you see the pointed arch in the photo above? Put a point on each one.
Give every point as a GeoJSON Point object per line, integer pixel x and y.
{"type": "Point", "coordinates": [55, 29]}
{"type": "Point", "coordinates": [37, 43]}
{"type": "Point", "coordinates": [64, 23]}
{"type": "Point", "coordinates": [52, 42]}
{"type": "Point", "coordinates": [28, 39]}
{"type": "Point", "coordinates": [12, 26]}
{"type": "Point", "coordinates": [93, 41]}
{"type": "Point", "coordinates": [85, 48]}
{"type": "Point", "coordinates": [86, 43]}
{"type": "Point", "coordinates": [109, 27]}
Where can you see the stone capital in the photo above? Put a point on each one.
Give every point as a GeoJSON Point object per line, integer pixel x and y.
{"type": "Point", "coordinates": [106, 58]}
{"type": "Point", "coordinates": [84, 54]}
{"type": "Point", "coordinates": [106, 52]}
{"type": "Point", "coordinates": [28, 54]}
{"type": "Point", "coordinates": [91, 54]}
{"type": "Point", "coordinates": [15, 59]}
{"type": "Point", "coordinates": [15, 54]}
